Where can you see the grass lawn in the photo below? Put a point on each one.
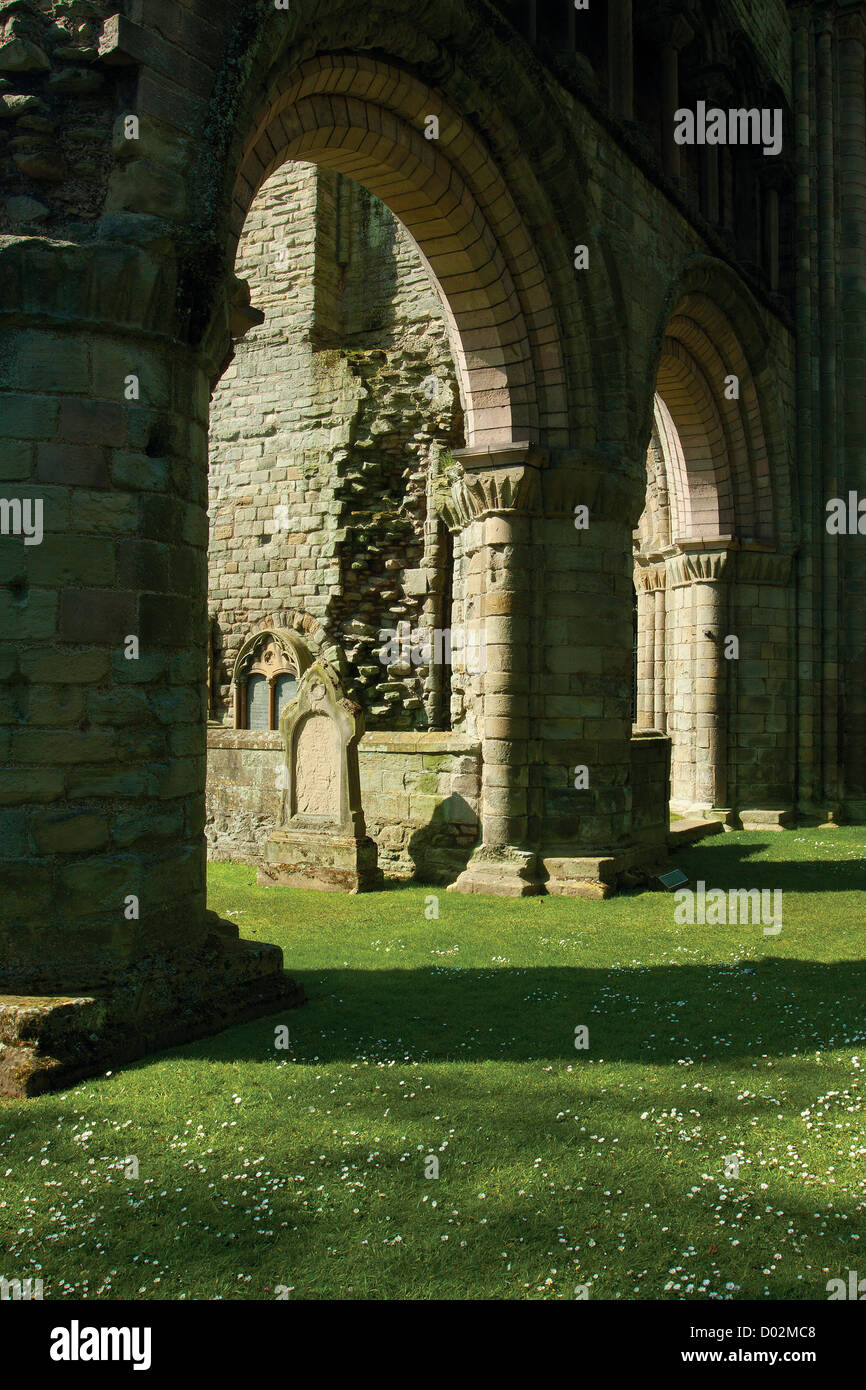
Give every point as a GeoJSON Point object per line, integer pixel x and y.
{"type": "Point", "coordinates": [455, 1037]}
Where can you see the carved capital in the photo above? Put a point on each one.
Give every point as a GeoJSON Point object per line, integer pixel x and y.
{"type": "Point", "coordinates": [700, 563]}
{"type": "Point", "coordinates": [607, 486]}
{"type": "Point", "coordinates": [852, 26]}
{"type": "Point", "coordinates": [650, 574]}
{"type": "Point", "coordinates": [671, 25]}
{"type": "Point", "coordinates": [490, 481]}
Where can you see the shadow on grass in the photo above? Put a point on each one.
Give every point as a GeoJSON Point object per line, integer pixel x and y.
{"type": "Point", "coordinates": [724, 861]}
{"type": "Point", "coordinates": [772, 1007]}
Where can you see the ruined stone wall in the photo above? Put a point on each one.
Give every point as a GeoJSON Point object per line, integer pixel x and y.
{"type": "Point", "coordinates": [420, 793]}
{"type": "Point", "coordinates": [324, 438]}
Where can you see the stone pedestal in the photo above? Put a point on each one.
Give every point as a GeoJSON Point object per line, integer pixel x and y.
{"type": "Point", "coordinates": [500, 871]}
{"type": "Point", "coordinates": [325, 860]}
{"type": "Point", "coordinates": [321, 841]}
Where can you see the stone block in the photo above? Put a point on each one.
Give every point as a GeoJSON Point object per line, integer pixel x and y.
{"type": "Point", "coordinates": [28, 417]}
{"type": "Point", "coordinates": [35, 614]}
{"type": "Point", "coordinates": [84, 421]}
{"type": "Point", "coordinates": [72, 465]}
{"type": "Point", "coordinates": [97, 616]}
{"type": "Point", "coordinates": [68, 832]}
{"type": "Point", "coordinates": [16, 460]}
{"type": "Point", "coordinates": [48, 362]}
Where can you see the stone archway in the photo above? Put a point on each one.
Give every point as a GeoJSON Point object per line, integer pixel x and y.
{"type": "Point", "coordinates": [361, 117]}
{"type": "Point", "coordinates": [118, 915]}
{"type": "Point", "coordinates": [117, 334]}
{"type": "Point", "coordinates": [712, 565]}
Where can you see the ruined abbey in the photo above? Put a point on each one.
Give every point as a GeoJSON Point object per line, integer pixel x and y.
{"type": "Point", "coordinates": [433, 443]}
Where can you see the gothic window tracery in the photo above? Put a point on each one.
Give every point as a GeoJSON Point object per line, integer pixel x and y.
{"type": "Point", "coordinates": [265, 678]}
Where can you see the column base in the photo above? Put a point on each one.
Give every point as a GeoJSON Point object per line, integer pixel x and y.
{"type": "Point", "coordinates": [502, 872]}
{"type": "Point", "coordinates": [514, 873]}
{"type": "Point", "coordinates": [600, 876]}
{"type": "Point", "coordinates": [751, 818]}
{"type": "Point", "coordinates": [51, 1041]}
{"type": "Point", "coordinates": [319, 859]}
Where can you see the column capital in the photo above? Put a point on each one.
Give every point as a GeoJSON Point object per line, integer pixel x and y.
{"type": "Point", "coordinates": [699, 561]}
{"type": "Point", "coordinates": [758, 565]}
{"type": "Point", "coordinates": [608, 485]}
{"type": "Point", "coordinates": [492, 480]}
{"type": "Point", "coordinates": [672, 25]}
{"type": "Point", "coordinates": [651, 572]}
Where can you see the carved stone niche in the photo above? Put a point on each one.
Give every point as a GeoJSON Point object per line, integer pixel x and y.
{"type": "Point", "coordinates": [321, 840]}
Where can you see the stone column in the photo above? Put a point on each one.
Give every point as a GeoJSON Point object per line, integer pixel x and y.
{"type": "Point", "coordinates": [672, 31]}
{"type": "Point", "coordinates": [646, 645]}
{"type": "Point", "coordinates": [807, 471]}
{"type": "Point", "coordinates": [726, 188]}
{"type": "Point", "coordinates": [659, 713]}
{"type": "Point", "coordinates": [584, 692]}
{"type": "Point", "coordinates": [670, 79]}
{"type": "Point", "coordinates": [651, 580]}
{"type": "Point", "coordinates": [761, 783]}
{"type": "Point", "coordinates": [704, 566]}
{"type": "Point", "coordinates": [710, 159]}
{"type": "Point", "coordinates": [828, 327]}
{"type": "Point", "coordinates": [493, 503]}
{"type": "Point", "coordinates": [772, 236]}
{"type": "Point", "coordinates": [103, 632]}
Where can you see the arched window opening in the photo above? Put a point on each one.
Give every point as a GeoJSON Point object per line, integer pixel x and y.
{"type": "Point", "coordinates": [265, 679]}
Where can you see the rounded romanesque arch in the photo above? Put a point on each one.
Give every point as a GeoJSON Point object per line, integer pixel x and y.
{"type": "Point", "coordinates": [710, 361]}
{"type": "Point", "coordinates": [500, 190]}
{"type": "Point", "coordinates": [360, 117]}
{"type": "Point", "coordinates": [713, 553]}
{"type": "Point", "coordinates": [496, 210]}
{"type": "Point", "coordinates": [120, 307]}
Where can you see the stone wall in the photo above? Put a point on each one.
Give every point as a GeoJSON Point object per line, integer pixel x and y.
{"type": "Point", "coordinates": [324, 439]}
{"type": "Point", "coordinates": [650, 769]}
{"type": "Point", "coordinates": [420, 793]}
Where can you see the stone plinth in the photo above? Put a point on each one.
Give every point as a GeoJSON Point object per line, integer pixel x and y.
{"type": "Point", "coordinates": [501, 872]}
{"type": "Point", "coordinates": [321, 859]}
{"type": "Point", "coordinates": [603, 875]}
{"type": "Point", "coordinates": [50, 1041]}
{"type": "Point", "coordinates": [321, 841]}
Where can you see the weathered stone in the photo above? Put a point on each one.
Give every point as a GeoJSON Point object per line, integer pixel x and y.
{"type": "Point", "coordinates": [37, 160]}
{"type": "Point", "coordinates": [20, 55]}
{"type": "Point", "coordinates": [51, 1041]}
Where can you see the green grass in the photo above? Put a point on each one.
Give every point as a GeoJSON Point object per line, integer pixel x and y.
{"type": "Point", "coordinates": [455, 1037]}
